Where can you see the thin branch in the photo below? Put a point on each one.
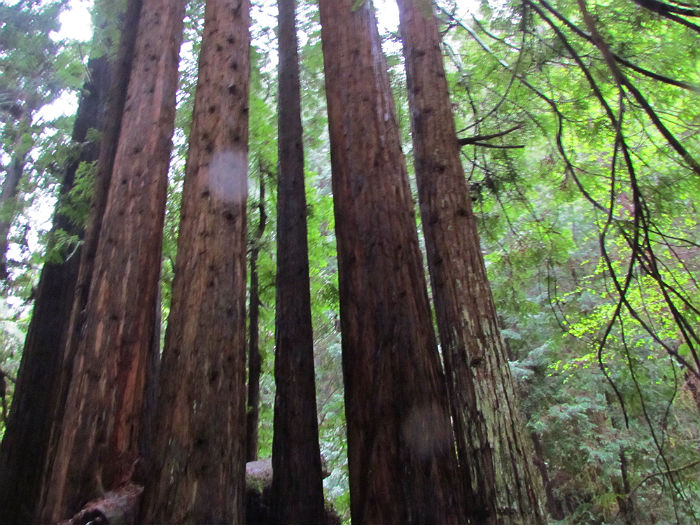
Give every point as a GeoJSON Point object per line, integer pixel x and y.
{"type": "Point", "coordinates": [514, 69]}
{"type": "Point", "coordinates": [695, 88]}
{"type": "Point", "coordinates": [670, 137]}
{"type": "Point", "coordinates": [640, 208]}
{"type": "Point", "coordinates": [494, 37]}
{"type": "Point", "coordinates": [662, 9]}
{"type": "Point", "coordinates": [651, 74]}
{"type": "Point", "coordinates": [665, 473]}
{"type": "Point", "coordinates": [659, 443]}
{"type": "Point", "coordinates": [641, 213]}
{"type": "Point", "coordinates": [479, 138]}
{"type": "Point", "coordinates": [495, 146]}
{"type": "Point", "coordinates": [611, 269]}
{"type": "Point", "coordinates": [683, 4]}
{"type": "Point", "coordinates": [570, 169]}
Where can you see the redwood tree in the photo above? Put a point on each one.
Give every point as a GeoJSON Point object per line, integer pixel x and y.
{"type": "Point", "coordinates": [97, 444]}
{"type": "Point", "coordinates": [297, 488]}
{"type": "Point", "coordinates": [495, 455]}
{"type": "Point", "coordinates": [25, 442]}
{"type": "Point", "coordinates": [37, 411]}
{"type": "Point", "coordinates": [198, 468]}
{"type": "Point", "coordinates": [402, 464]}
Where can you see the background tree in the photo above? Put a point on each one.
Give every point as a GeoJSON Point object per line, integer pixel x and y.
{"type": "Point", "coordinates": [261, 250]}
{"type": "Point", "coordinates": [605, 404]}
{"type": "Point", "coordinates": [494, 452]}
{"type": "Point", "coordinates": [554, 258]}
{"type": "Point", "coordinates": [254, 354]}
{"type": "Point", "coordinates": [36, 70]}
{"type": "Point", "coordinates": [26, 437]}
{"type": "Point", "coordinates": [297, 489]}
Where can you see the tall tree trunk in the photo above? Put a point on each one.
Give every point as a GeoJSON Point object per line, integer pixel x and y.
{"type": "Point", "coordinates": [98, 442]}
{"type": "Point", "coordinates": [495, 455]}
{"type": "Point", "coordinates": [625, 498]}
{"type": "Point", "coordinates": [198, 473]}
{"type": "Point", "coordinates": [554, 504]}
{"type": "Point", "coordinates": [402, 463]}
{"type": "Point", "coordinates": [114, 113]}
{"type": "Point", "coordinates": [254, 357]}
{"type": "Point", "coordinates": [621, 486]}
{"type": "Point", "coordinates": [297, 486]}
{"type": "Point", "coordinates": [25, 444]}
{"type": "Point", "coordinates": [73, 330]}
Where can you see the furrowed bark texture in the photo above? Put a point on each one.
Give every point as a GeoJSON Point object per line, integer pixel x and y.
{"type": "Point", "coordinates": [402, 464]}
{"type": "Point", "coordinates": [297, 487]}
{"type": "Point", "coordinates": [98, 444]}
{"type": "Point", "coordinates": [495, 455]}
{"type": "Point", "coordinates": [114, 109]}
{"type": "Point", "coordinates": [25, 443]}
{"type": "Point", "coordinates": [114, 113]}
{"type": "Point", "coordinates": [198, 471]}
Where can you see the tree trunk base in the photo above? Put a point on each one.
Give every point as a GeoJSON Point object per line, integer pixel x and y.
{"type": "Point", "coordinates": [258, 501]}
{"type": "Point", "coordinates": [121, 506]}
{"type": "Point", "coordinates": [117, 507]}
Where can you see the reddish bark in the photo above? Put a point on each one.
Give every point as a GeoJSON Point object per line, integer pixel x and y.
{"type": "Point", "coordinates": [495, 455]}
{"type": "Point", "coordinates": [198, 468]}
{"type": "Point", "coordinates": [297, 488]}
{"type": "Point", "coordinates": [118, 507]}
{"type": "Point", "coordinates": [401, 456]}
{"type": "Point", "coordinates": [116, 100]}
{"type": "Point", "coordinates": [98, 441]}
{"type": "Point", "coordinates": [73, 330]}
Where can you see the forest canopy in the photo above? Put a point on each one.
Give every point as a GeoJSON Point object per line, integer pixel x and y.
{"type": "Point", "coordinates": [578, 135]}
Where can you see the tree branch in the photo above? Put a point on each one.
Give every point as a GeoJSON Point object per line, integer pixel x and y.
{"type": "Point", "coordinates": [661, 7]}
{"type": "Point", "coordinates": [479, 138]}
{"type": "Point", "coordinates": [622, 79]}
{"type": "Point", "coordinates": [666, 473]}
{"type": "Point", "coordinates": [666, 11]}
{"type": "Point", "coordinates": [497, 146]}
{"type": "Point", "coordinates": [642, 71]}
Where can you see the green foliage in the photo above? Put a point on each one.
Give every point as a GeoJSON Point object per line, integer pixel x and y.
{"type": "Point", "coordinates": [591, 254]}
{"type": "Point", "coordinates": [76, 205]}
{"type": "Point", "coordinates": [590, 229]}
{"type": "Point", "coordinates": [13, 324]}
{"type": "Point", "coordinates": [36, 70]}
{"type": "Point", "coordinates": [358, 4]}
{"type": "Point", "coordinates": [104, 15]}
